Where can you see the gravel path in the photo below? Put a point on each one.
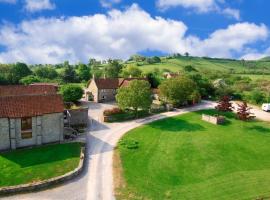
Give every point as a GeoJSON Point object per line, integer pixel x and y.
{"type": "Point", "coordinates": [96, 182]}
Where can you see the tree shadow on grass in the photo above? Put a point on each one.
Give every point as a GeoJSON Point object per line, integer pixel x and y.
{"type": "Point", "coordinates": [260, 129]}
{"type": "Point", "coordinates": [42, 155]}
{"type": "Point", "coordinates": [176, 125]}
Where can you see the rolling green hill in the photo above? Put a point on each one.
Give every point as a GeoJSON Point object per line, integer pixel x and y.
{"type": "Point", "coordinates": [228, 65]}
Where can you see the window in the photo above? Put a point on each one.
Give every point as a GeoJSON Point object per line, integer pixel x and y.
{"type": "Point", "coordinates": [26, 128]}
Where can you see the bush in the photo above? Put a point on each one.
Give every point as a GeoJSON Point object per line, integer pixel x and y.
{"type": "Point", "coordinates": [129, 144]}
{"type": "Point", "coordinates": [113, 111]}
{"type": "Point", "coordinates": [155, 108]}
{"type": "Point", "coordinates": [71, 93]}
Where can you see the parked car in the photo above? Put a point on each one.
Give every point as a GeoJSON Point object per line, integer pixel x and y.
{"type": "Point", "coordinates": [266, 107]}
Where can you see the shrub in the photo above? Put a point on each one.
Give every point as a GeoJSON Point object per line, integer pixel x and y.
{"type": "Point", "coordinates": [155, 108]}
{"type": "Point", "coordinates": [129, 144]}
{"type": "Point", "coordinates": [113, 111]}
{"type": "Point", "coordinates": [71, 93]}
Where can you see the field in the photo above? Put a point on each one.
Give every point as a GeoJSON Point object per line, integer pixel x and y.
{"type": "Point", "coordinates": [233, 66]}
{"type": "Point", "coordinates": [36, 164]}
{"type": "Point", "coordinates": [186, 158]}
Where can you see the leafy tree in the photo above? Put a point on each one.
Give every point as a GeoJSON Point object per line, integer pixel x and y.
{"type": "Point", "coordinates": [96, 71]}
{"type": "Point", "coordinates": [153, 80]}
{"type": "Point", "coordinates": [29, 80]}
{"type": "Point", "coordinates": [177, 91]}
{"type": "Point", "coordinates": [224, 104]}
{"type": "Point", "coordinates": [131, 71]}
{"type": "Point", "coordinates": [135, 96]}
{"type": "Point", "coordinates": [189, 68]}
{"type": "Point", "coordinates": [243, 112]}
{"type": "Point", "coordinates": [153, 60]}
{"type": "Point", "coordinates": [257, 97]}
{"type": "Point", "coordinates": [71, 93]}
{"type": "Point", "coordinates": [83, 72]}
{"type": "Point", "coordinates": [195, 97]}
{"type": "Point", "coordinates": [113, 69]}
{"type": "Point", "coordinates": [187, 54]}
{"type": "Point", "coordinates": [69, 74]}
{"type": "Point", "coordinates": [46, 72]}
{"type": "Point", "coordinates": [17, 72]}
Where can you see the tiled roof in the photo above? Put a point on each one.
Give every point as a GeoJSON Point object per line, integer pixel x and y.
{"type": "Point", "coordinates": [107, 83]}
{"type": "Point", "coordinates": [51, 84]}
{"type": "Point", "coordinates": [114, 83]}
{"type": "Point", "coordinates": [18, 90]}
{"type": "Point", "coordinates": [126, 81]}
{"type": "Point", "coordinates": [30, 105]}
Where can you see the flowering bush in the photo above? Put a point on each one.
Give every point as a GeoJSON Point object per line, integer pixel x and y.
{"type": "Point", "coordinates": [113, 111]}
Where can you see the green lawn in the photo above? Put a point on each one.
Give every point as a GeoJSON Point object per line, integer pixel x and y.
{"type": "Point", "coordinates": [186, 158]}
{"type": "Point", "coordinates": [41, 163]}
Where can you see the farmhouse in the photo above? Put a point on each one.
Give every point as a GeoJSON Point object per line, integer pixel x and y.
{"type": "Point", "coordinates": [30, 115]}
{"type": "Point", "coordinates": [104, 89]}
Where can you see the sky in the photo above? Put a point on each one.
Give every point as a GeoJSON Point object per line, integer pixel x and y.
{"type": "Point", "coordinates": [52, 31]}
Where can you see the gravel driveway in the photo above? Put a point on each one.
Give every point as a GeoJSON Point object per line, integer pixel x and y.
{"type": "Point", "coordinates": [96, 182]}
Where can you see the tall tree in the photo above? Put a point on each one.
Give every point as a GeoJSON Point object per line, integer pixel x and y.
{"type": "Point", "coordinates": [135, 96]}
{"type": "Point", "coordinates": [177, 91]}
{"type": "Point", "coordinates": [17, 72]}
{"type": "Point", "coordinates": [83, 72]}
{"type": "Point", "coordinates": [46, 72]}
{"type": "Point", "coordinates": [113, 69]}
{"type": "Point", "coordinates": [69, 74]}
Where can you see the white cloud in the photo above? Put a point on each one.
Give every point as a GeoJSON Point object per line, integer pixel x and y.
{"type": "Point", "coordinates": [109, 3]}
{"type": "Point", "coordinates": [256, 55]}
{"type": "Point", "coordinates": [234, 13]}
{"type": "Point", "coordinates": [118, 34]}
{"type": "Point", "coordinates": [38, 5]}
{"type": "Point", "coordinates": [8, 1]}
{"type": "Point", "coordinates": [201, 6]}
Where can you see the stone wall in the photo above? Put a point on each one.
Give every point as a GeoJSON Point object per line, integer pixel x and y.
{"type": "Point", "coordinates": [92, 88]}
{"type": "Point", "coordinates": [213, 119]}
{"type": "Point", "coordinates": [52, 127]}
{"type": "Point", "coordinates": [78, 117]}
{"type": "Point", "coordinates": [45, 129]}
{"type": "Point", "coordinates": [108, 94]}
{"type": "Point", "coordinates": [4, 134]}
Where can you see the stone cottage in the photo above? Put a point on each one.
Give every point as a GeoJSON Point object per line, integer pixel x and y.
{"type": "Point", "coordinates": [29, 116]}
{"type": "Point", "coordinates": [105, 89]}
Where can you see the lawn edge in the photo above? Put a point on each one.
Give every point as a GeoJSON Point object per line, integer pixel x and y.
{"type": "Point", "coordinates": [45, 184]}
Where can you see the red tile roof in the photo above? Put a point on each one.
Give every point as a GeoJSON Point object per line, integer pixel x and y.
{"type": "Point", "coordinates": [28, 106]}
{"type": "Point", "coordinates": [18, 90]}
{"type": "Point", "coordinates": [107, 83]}
{"type": "Point", "coordinates": [114, 83]}
{"type": "Point", "coordinates": [126, 81]}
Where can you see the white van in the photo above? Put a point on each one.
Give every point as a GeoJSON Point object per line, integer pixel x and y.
{"type": "Point", "coordinates": [266, 107]}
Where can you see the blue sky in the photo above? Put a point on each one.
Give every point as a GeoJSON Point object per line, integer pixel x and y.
{"type": "Point", "coordinates": [51, 31]}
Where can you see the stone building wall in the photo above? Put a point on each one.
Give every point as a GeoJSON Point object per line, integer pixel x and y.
{"type": "Point", "coordinates": [4, 134]}
{"type": "Point", "coordinates": [45, 129]}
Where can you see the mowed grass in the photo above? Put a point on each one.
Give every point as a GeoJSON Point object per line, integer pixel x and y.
{"type": "Point", "coordinates": [36, 164]}
{"type": "Point", "coordinates": [186, 158]}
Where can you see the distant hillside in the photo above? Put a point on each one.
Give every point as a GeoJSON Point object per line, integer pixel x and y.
{"type": "Point", "coordinates": [265, 59]}
{"type": "Point", "coordinates": [213, 64]}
